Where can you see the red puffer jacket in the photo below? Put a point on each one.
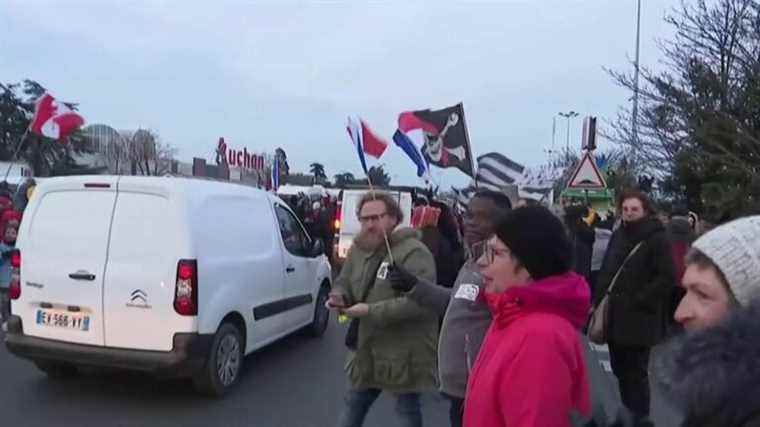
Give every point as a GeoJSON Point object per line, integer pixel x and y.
{"type": "Point", "coordinates": [531, 370]}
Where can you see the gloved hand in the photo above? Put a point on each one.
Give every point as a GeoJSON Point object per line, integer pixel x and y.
{"type": "Point", "coordinates": [401, 280]}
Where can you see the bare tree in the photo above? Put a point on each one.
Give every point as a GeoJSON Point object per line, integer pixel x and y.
{"type": "Point", "coordinates": [699, 122]}
{"type": "Point", "coordinates": [706, 69]}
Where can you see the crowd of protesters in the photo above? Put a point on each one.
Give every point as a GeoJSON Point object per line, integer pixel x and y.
{"type": "Point", "coordinates": [488, 306]}
{"type": "Point", "coordinates": [12, 204]}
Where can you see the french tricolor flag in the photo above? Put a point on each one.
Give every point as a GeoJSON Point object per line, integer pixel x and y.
{"type": "Point", "coordinates": [410, 137]}
{"type": "Point", "coordinates": [365, 141]}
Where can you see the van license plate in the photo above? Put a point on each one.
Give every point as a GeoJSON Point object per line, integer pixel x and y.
{"type": "Point", "coordinates": [62, 319]}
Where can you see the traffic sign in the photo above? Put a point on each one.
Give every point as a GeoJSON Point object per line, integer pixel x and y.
{"type": "Point", "coordinates": [587, 175]}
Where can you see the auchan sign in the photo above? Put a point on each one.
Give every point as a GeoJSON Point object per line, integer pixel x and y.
{"type": "Point", "coordinates": [238, 158]}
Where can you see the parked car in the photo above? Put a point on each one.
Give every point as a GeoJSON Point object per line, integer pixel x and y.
{"type": "Point", "coordinates": [173, 276]}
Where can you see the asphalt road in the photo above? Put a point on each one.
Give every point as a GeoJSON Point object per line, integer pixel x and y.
{"type": "Point", "coordinates": [297, 382]}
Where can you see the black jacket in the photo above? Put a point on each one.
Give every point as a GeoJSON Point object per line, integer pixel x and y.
{"type": "Point", "coordinates": [583, 238]}
{"type": "Point", "coordinates": [640, 300]}
{"type": "Point", "coordinates": [448, 260]}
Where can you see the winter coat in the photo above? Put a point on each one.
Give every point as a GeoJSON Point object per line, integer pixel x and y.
{"type": "Point", "coordinates": [397, 341]}
{"type": "Point", "coordinates": [5, 264]}
{"type": "Point", "coordinates": [447, 259]}
{"type": "Point", "coordinates": [639, 302]}
{"type": "Point", "coordinates": [466, 319]}
{"type": "Point", "coordinates": [681, 236]}
{"type": "Point", "coordinates": [601, 241]}
{"type": "Point", "coordinates": [713, 376]}
{"type": "Point", "coordinates": [531, 370]}
{"type": "Point", "coordinates": [583, 238]}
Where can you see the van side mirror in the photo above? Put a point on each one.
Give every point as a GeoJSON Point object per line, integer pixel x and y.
{"type": "Point", "coordinates": [317, 248]}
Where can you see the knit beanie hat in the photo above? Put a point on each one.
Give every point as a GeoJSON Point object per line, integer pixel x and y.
{"type": "Point", "coordinates": [734, 248]}
{"type": "Point", "coordinates": [538, 240]}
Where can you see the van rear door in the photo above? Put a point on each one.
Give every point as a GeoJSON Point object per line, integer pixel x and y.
{"type": "Point", "coordinates": [63, 243]}
{"type": "Point", "coordinates": [143, 255]}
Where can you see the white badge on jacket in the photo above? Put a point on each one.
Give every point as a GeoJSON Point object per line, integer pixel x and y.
{"type": "Point", "coordinates": [382, 272]}
{"type": "Point", "coordinates": [467, 291]}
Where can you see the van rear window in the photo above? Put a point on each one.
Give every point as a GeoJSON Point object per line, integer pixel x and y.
{"type": "Point", "coordinates": [143, 229]}
{"type": "Point", "coordinates": [72, 221]}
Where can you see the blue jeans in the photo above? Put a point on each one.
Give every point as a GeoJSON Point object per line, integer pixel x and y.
{"type": "Point", "coordinates": [358, 402]}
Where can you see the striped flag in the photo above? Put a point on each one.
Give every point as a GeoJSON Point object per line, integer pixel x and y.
{"type": "Point", "coordinates": [496, 171]}
{"type": "Point", "coordinates": [464, 195]}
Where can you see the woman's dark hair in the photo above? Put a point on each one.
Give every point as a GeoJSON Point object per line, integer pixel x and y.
{"type": "Point", "coordinates": [538, 240]}
{"type": "Point", "coordinates": [447, 224]}
{"type": "Point", "coordinates": [649, 208]}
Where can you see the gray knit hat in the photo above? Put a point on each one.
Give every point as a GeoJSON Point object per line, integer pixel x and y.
{"type": "Point", "coordinates": [734, 248]}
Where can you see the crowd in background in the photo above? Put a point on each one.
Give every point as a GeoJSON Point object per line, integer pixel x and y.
{"type": "Point", "coordinates": [513, 287]}
{"type": "Point", "coordinates": [12, 205]}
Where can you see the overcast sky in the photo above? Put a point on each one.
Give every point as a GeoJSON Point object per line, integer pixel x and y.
{"type": "Point", "coordinates": [282, 73]}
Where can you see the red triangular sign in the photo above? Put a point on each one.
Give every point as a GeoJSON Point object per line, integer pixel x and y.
{"type": "Point", "coordinates": [587, 175]}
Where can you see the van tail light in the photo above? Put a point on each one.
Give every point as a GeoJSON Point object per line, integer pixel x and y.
{"type": "Point", "coordinates": [338, 217]}
{"type": "Point", "coordinates": [14, 289]}
{"type": "Point", "coordinates": [186, 292]}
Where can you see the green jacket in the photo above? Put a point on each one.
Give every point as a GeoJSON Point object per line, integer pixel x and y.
{"type": "Point", "coordinates": [397, 343]}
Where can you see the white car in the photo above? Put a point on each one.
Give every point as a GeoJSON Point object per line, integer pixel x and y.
{"type": "Point", "coordinates": [167, 275]}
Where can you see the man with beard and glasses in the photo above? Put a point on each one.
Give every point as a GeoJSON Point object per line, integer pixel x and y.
{"type": "Point", "coordinates": [466, 317]}
{"type": "Point", "coordinates": [391, 339]}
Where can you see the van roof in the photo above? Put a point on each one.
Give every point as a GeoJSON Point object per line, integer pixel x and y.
{"type": "Point", "coordinates": [160, 184]}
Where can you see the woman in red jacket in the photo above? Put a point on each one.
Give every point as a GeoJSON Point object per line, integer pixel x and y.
{"type": "Point", "coordinates": [531, 370]}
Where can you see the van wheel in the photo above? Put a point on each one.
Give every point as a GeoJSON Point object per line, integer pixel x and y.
{"type": "Point", "coordinates": [224, 363]}
{"type": "Point", "coordinates": [318, 326]}
{"type": "Point", "coordinates": [57, 370]}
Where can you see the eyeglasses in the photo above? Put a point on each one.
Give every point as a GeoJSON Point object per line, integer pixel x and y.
{"type": "Point", "coordinates": [487, 252]}
{"type": "Point", "coordinates": [372, 218]}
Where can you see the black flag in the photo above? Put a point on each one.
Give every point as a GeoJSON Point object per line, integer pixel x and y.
{"type": "Point", "coordinates": [447, 144]}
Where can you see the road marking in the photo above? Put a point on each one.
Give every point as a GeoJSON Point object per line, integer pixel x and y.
{"type": "Point", "coordinates": [600, 348]}
{"type": "Point", "coordinates": [606, 365]}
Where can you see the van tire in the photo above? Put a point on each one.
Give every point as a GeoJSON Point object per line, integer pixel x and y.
{"type": "Point", "coordinates": [321, 318]}
{"type": "Point", "coordinates": [57, 370]}
{"type": "Point", "coordinates": [225, 355]}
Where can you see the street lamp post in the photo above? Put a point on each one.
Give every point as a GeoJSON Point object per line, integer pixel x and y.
{"type": "Point", "coordinates": [569, 115]}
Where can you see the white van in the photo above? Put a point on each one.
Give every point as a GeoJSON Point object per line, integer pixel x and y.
{"type": "Point", "coordinates": [167, 275]}
{"type": "Point", "coordinates": [347, 223]}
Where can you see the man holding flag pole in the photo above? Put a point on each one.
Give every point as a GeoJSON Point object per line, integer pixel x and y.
{"type": "Point", "coordinates": [391, 339]}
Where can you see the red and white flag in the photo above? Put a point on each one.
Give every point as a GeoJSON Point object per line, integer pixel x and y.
{"type": "Point", "coordinates": [54, 119]}
{"type": "Point", "coordinates": [365, 140]}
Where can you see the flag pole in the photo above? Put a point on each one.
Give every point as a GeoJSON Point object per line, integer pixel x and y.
{"type": "Point", "coordinates": [469, 146]}
{"type": "Point", "coordinates": [351, 132]}
{"type": "Point", "coordinates": [15, 153]}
